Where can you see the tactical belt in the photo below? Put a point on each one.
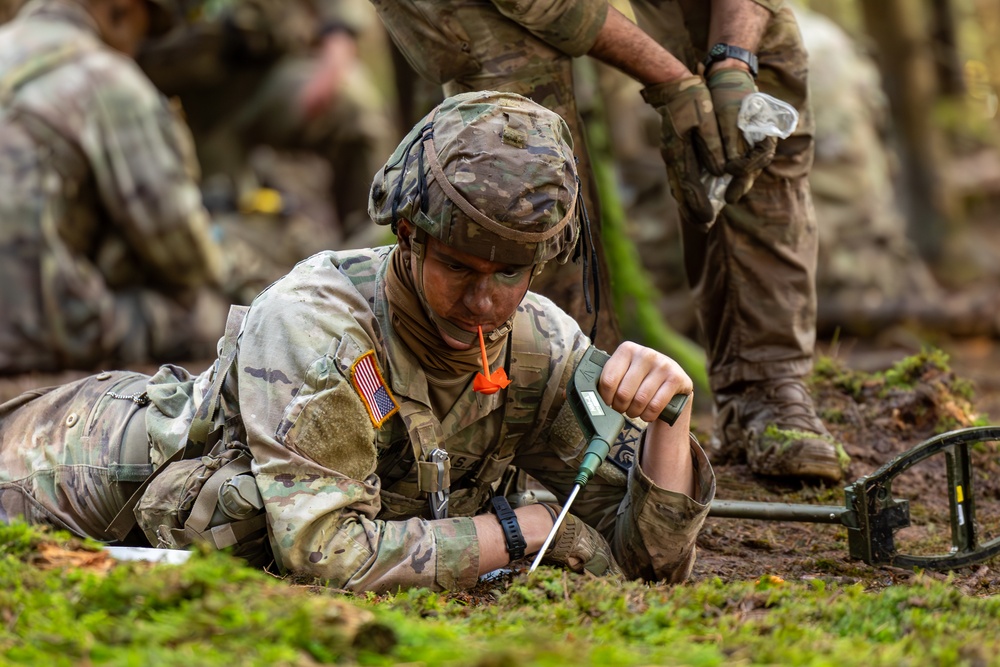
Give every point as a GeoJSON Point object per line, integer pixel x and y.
{"type": "Point", "coordinates": [202, 437]}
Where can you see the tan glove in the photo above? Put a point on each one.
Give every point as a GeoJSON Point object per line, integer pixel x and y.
{"type": "Point", "coordinates": [744, 162]}
{"type": "Point", "coordinates": [689, 142]}
{"type": "Point", "coordinates": [579, 547]}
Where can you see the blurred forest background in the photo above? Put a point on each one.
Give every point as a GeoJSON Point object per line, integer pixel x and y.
{"type": "Point", "coordinates": [940, 65]}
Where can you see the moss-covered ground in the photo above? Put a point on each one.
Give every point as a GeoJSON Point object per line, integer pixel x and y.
{"type": "Point", "coordinates": [63, 603]}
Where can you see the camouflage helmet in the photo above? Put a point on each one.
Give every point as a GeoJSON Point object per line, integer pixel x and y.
{"type": "Point", "coordinates": [489, 173]}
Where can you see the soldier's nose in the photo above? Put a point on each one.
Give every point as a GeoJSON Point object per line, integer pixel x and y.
{"type": "Point", "coordinates": [479, 298]}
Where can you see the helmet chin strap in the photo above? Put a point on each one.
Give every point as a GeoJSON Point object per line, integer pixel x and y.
{"type": "Point", "coordinates": [417, 247]}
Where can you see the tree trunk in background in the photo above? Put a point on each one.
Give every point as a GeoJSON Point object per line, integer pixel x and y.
{"type": "Point", "coordinates": [945, 40]}
{"type": "Point", "coordinates": [899, 30]}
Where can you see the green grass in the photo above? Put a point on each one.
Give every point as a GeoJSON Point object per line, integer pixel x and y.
{"type": "Point", "coordinates": [213, 611]}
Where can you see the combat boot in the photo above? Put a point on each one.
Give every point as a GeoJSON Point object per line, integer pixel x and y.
{"type": "Point", "coordinates": [774, 424]}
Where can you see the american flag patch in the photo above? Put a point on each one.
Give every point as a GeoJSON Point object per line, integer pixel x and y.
{"type": "Point", "coordinates": [371, 388]}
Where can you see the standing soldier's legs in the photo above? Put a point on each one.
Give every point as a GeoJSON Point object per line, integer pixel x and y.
{"type": "Point", "coordinates": [513, 60]}
{"type": "Point", "coordinates": [753, 278]}
{"type": "Point", "coordinates": [71, 456]}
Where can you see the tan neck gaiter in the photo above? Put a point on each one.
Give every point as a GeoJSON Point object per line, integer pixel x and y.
{"type": "Point", "coordinates": [410, 322]}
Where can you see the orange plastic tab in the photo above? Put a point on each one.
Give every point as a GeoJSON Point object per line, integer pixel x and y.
{"type": "Point", "coordinates": [486, 382]}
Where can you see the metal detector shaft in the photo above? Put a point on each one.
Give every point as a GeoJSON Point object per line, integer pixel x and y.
{"type": "Point", "coordinates": [555, 527]}
{"type": "Point", "coordinates": [737, 509]}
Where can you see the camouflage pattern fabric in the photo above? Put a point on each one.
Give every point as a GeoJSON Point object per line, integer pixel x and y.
{"type": "Point", "coordinates": [315, 445]}
{"type": "Point", "coordinates": [106, 253]}
{"type": "Point", "coordinates": [524, 48]}
{"type": "Point", "coordinates": [753, 273]}
{"type": "Point", "coordinates": [339, 492]}
{"type": "Point", "coordinates": [522, 210]}
{"type": "Point", "coordinates": [71, 456]}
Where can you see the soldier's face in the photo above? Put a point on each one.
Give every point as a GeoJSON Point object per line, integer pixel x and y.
{"type": "Point", "coordinates": [469, 291]}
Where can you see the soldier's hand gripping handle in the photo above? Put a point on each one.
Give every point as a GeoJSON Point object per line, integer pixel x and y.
{"type": "Point", "coordinates": [600, 423]}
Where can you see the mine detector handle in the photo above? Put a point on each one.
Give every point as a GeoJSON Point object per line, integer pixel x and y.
{"type": "Point", "coordinates": [872, 515]}
{"type": "Point", "coordinates": [600, 424]}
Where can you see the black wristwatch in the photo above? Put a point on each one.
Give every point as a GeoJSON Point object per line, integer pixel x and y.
{"type": "Point", "coordinates": [511, 528]}
{"type": "Point", "coordinates": [720, 52]}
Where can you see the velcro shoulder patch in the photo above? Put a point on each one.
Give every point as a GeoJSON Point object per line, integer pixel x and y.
{"type": "Point", "coordinates": [371, 387]}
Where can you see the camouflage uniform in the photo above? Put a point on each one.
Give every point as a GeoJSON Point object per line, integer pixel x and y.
{"type": "Point", "coordinates": [290, 399]}
{"type": "Point", "coordinates": [104, 240]}
{"type": "Point", "coordinates": [524, 48]}
{"type": "Point", "coordinates": [753, 274]}
{"type": "Point", "coordinates": [318, 397]}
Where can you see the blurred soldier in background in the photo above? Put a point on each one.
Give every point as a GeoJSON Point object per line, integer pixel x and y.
{"type": "Point", "coordinates": [107, 257]}
{"type": "Point", "coordinates": [252, 73]}
{"type": "Point", "coordinates": [866, 259]}
{"type": "Point", "coordinates": [871, 277]}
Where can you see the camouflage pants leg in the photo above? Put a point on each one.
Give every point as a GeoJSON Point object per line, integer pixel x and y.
{"type": "Point", "coordinates": [753, 275]}
{"type": "Point", "coordinates": [71, 456]}
{"type": "Point", "coordinates": [513, 60]}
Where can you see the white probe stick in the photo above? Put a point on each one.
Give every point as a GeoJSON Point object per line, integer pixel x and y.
{"type": "Point", "coordinates": [555, 527]}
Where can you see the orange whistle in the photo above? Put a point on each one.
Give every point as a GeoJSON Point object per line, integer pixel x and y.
{"type": "Point", "coordinates": [484, 382]}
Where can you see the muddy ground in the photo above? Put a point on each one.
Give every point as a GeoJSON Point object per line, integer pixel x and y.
{"type": "Point", "coordinates": [876, 420]}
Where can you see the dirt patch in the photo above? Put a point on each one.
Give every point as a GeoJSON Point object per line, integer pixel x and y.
{"type": "Point", "coordinates": [878, 416]}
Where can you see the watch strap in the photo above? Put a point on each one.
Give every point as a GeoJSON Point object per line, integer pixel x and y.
{"type": "Point", "coordinates": [720, 52]}
{"type": "Point", "coordinates": [511, 528]}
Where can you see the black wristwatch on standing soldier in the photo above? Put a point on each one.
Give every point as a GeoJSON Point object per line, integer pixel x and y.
{"type": "Point", "coordinates": [720, 52]}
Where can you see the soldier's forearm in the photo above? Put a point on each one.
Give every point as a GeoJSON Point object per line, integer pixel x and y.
{"type": "Point", "coordinates": [535, 523]}
{"type": "Point", "coordinates": [624, 45]}
{"type": "Point", "coordinates": [738, 23]}
{"type": "Point", "coordinates": [666, 455]}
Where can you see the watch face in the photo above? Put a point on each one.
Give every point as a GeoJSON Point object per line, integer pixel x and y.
{"type": "Point", "coordinates": [718, 50]}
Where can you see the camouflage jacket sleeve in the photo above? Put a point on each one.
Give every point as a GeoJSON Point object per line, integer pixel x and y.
{"type": "Point", "coordinates": [651, 530]}
{"type": "Point", "coordinates": [143, 163]}
{"type": "Point", "coordinates": [312, 441]}
{"type": "Point", "coordinates": [569, 25]}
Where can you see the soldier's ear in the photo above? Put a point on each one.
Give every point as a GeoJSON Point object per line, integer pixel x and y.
{"type": "Point", "coordinates": [404, 231]}
{"type": "Point", "coordinates": [404, 235]}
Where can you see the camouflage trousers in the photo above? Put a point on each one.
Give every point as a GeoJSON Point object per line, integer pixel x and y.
{"type": "Point", "coordinates": [753, 273]}
{"type": "Point", "coordinates": [71, 456]}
